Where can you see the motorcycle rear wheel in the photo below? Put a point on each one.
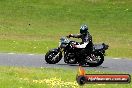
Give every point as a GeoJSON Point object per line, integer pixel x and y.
{"type": "Point", "coordinates": [101, 56]}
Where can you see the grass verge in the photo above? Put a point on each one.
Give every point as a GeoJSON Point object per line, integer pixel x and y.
{"type": "Point", "coordinates": [21, 77]}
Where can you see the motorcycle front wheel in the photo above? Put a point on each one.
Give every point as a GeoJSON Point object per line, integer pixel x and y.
{"type": "Point", "coordinates": [51, 57]}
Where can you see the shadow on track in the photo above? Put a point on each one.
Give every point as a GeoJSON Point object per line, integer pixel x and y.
{"type": "Point", "coordinates": [76, 65]}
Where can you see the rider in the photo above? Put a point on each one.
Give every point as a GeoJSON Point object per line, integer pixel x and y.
{"type": "Point", "coordinates": [86, 38]}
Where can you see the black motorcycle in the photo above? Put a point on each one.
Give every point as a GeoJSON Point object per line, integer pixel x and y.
{"type": "Point", "coordinates": [74, 55]}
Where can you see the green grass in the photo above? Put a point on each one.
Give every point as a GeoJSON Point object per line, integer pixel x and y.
{"type": "Point", "coordinates": [20, 77]}
{"type": "Point", "coordinates": [109, 21]}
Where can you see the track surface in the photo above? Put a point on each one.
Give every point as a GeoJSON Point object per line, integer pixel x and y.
{"type": "Point", "coordinates": [30, 60]}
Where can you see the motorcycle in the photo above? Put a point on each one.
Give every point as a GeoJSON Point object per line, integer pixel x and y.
{"type": "Point", "coordinates": [74, 55]}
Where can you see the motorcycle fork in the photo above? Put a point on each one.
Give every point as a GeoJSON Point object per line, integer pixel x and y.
{"type": "Point", "coordinates": [60, 51]}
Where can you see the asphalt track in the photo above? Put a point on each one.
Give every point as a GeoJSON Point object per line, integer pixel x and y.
{"type": "Point", "coordinates": [30, 60]}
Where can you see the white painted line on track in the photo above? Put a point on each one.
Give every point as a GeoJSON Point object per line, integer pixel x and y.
{"type": "Point", "coordinates": [31, 54]}
{"type": "Point", "coordinates": [25, 54]}
{"type": "Point", "coordinates": [11, 53]}
{"type": "Point", "coordinates": [116, 58]}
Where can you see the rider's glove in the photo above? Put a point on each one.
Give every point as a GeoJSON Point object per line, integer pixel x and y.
{"type": "Point", "coordinates": [71, 35]}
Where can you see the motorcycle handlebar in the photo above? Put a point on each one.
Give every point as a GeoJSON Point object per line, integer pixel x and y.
{"type": "Point", "coordinates": [68, 36]}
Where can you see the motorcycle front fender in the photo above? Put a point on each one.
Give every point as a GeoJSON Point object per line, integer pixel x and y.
{"type": "Point", "coordinates": [55, 50]}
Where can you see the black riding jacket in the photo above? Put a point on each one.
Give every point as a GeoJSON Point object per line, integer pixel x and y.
{"type": "Point", "coordinates": [85, 37]}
